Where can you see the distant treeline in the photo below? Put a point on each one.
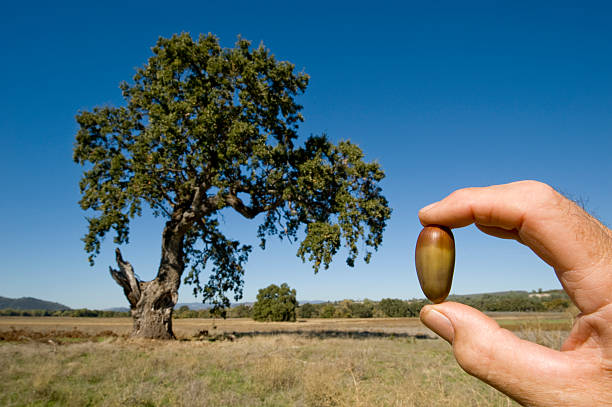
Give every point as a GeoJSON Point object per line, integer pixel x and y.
{"type": "Point", "coordinates": [555, 300]}
{"type": "Point", "coordinates": [512, 301]}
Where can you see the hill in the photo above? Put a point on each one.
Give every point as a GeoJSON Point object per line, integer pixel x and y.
{"type": "Point", "coordinates": [29, 303]}
{"type": "Point", "coordinates": [517, 293]}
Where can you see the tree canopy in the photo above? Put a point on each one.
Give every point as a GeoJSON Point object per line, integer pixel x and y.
{"type": "Point", "coordinates": [206, 128]}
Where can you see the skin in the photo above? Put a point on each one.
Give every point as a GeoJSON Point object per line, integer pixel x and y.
{"type": "Point", "coordinates": [579, 248]}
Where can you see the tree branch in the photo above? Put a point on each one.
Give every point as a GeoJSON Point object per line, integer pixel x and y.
{"type": "Point", "coordinates": [210, 204]}
{"type": "Point", "coordinates": [125, 278]}
{"type": "Point", "coordinates": [248, 212]}
{"type": "Point", "coordinates": [164, 193]}
{"type": "Point", "coordinates": [196, 203]}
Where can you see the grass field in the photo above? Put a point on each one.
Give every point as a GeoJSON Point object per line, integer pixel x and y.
{"type": "Point", "coordinates": [343, 362]}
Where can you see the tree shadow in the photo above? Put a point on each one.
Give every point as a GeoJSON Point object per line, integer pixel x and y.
{"type": "Point", "coordinates": [328, 334]}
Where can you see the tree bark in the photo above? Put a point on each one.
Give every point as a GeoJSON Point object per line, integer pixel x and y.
{"type": "Point", "coordinates": [153, 313]}
{"type": "Point", "coordinates": [152, 302]}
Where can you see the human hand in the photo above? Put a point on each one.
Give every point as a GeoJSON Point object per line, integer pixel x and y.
{"type": "Point", "coordinates": [579, 248]}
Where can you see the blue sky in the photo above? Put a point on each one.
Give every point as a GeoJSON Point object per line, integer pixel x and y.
{"type": "Point", "coordinates": [443, 96]}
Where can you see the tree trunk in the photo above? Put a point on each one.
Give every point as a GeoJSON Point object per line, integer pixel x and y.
{"type": "Point", "coordinates": [153, 313]}
{"type": "Point", "coordinates": [152, 302]}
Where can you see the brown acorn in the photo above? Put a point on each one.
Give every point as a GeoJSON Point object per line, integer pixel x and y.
{"type": "Point", "coordinates": [435, 261]}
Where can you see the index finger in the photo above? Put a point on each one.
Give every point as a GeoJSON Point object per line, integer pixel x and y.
{"type": "Point", "coordinates": [575, 244]}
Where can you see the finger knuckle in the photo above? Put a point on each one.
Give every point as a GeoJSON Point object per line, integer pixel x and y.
{"type": "Point", "coordinates": [477, 355]}
{"type": "Point", "coordinates": [540, 191]}
{"type": "Point", "coordinates": [460, 194]}
{"type": "Point", "coordinates": [475, 360]}
{"type": "Point", "coordinates": [537, 187]}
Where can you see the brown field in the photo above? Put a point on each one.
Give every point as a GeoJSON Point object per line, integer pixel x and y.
{"type": "Point", "coordinates": [189, 327]}
{"type": "Point", "coordinates": [319, 362]}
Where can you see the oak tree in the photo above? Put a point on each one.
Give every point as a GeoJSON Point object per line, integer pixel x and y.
{"type": "Point", "coordinates": [206, 129]}
{"type": "Point", "coordinates": [307, 311]}
{"type": "Point", "coordinates": [275, 303]}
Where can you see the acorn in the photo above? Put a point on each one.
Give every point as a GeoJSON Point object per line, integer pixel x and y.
{"type": "Point", "coordinates": [435, 261]}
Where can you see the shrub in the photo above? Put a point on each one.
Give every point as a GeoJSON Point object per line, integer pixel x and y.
{"type": "Point", "coordinates": [327, 311]}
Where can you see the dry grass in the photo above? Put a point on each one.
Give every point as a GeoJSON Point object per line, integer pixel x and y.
{"type": "Point", "coordinates": [187, 328]}
{"type": "Point", "coordinates": [261, 371]}
{"type": "Point", "coordinates": [190, 326]}
{"type": "Point", "coordinates": [305, 367]}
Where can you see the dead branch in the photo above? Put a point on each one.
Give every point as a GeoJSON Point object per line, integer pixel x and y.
{"type": "Point", "coordinates": [126, 279]}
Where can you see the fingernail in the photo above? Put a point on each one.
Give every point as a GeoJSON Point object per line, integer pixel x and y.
{"type": "Point", "coordinates": [439, 323]}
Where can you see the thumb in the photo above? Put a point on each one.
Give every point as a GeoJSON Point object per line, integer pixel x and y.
{"type": "Point", "coordinates": [529, 373]}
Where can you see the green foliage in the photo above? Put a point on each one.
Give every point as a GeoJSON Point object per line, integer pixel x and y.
{"type": "Point", "coordinates": [307, 311]}
{"type": "Point", "coordinates": [505, 302]}
{"type": "Point", "coordinates": [557, 304]}
{"type": "Point", "coordinates": [516, 301]}
{"type": "Point", "coordinates": [206, 128]}
{"type": "Point", "coordinates": [327, 311]}
{"type": "Point", "coordinates": [185, 312]}
{"type": "Point", "coordinates": [513, 301]}
{"type": "Point", "coordinates": [275, 303]}
{"type": "Point", "coordinates": [394, 307]}
{"type": "Point", "coordinates": [361, 310]}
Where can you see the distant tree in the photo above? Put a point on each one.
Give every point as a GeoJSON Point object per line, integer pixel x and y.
{"type": "Point", "coordinates": [361, 310]}
{"type": "Point", "coordinates": [307, 310]}
{"type": "Point", "coordinates": [84, 312]}
{"type": "Point", "coordinates": [393, 307]}
{"type": "Point", "coordinates": [556, 304]}
{"type": "Point", "coordinates": [241, 311]}
{"type": "Point", "coordinates": [327, 311]}
{"type": "Point", "coordinates": [415, 306]}
{"type": "Point", "coordinates": [275, 303]}
{"type": "Point", "coordinates": [182, 312]}
{"type": "Point", "coordinates": [204, 313]}
{"type": "Point", "coordinates": [342, 309]}
{"type": "Point", "coordinates": [207, 129]}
